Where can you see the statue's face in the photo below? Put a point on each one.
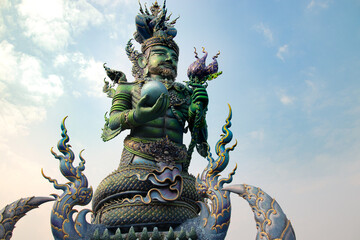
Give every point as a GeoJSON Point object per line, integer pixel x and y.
{"type": "Point", "coordinates": [162, 61]}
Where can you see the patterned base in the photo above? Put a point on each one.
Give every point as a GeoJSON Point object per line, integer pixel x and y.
{"type": "Point", "coordinates": [155, 234]}
{"type": "Point", "coordinates": [153, 214]}
{"type": "Point", "coordinates": [111, 210]}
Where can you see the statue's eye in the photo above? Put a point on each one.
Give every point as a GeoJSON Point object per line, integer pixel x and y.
{"type": "Point", "coordinates": [158, 53]}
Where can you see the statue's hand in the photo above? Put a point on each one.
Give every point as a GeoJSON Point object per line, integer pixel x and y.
{"type": "Point", "coordinates": [143, 113]}
{"type": "Point", "coordinates": [199, 97]}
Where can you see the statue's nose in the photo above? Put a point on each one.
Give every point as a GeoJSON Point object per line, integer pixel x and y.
{"type": "Point", "coordinates": [169, 58]}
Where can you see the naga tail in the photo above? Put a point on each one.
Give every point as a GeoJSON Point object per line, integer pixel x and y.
{"type": "Point", "coordinates": [271, 221]}
{"type": "Point", "coordinates": [10, 214]}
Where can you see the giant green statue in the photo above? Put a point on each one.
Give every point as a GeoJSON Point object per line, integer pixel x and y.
{"type": "Point", "coordinates": [151, 195]}
{"type": "Point", "coordinates": [153, 171]}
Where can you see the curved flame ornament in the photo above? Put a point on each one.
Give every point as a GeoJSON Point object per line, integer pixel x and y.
{"type": "Point", "coordinates": [75, 192]}
{"type": "Point", "coordinates": [212, 224]}
{"type": "Point", "coordinates": [209, 185]}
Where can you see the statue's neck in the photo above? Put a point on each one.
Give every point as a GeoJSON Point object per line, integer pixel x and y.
{"type": "Point", "coordinates": [157, 77]}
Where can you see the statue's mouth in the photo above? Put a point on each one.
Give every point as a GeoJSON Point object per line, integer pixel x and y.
{"type": "Point", "coordinates": [168, 65]}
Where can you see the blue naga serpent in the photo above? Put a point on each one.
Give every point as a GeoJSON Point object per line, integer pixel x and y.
{"type": "Point", "coordinates": [75, 192]}
{"type": "Point", "coordinates": [211, 224]}
{"type": "Point", "coordinates": [214, 223]}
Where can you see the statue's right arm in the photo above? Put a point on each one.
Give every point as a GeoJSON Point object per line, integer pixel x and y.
{"type": "Point", "coordinates": [121, 112]}
{"type": "Point", "coordinates": [123, 115]}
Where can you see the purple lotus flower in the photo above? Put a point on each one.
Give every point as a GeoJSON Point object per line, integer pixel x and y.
{"type": "Point", "coordinates": [198, 69]}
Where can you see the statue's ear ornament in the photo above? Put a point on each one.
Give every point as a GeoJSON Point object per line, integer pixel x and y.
{"type": "Point", "coordinates": [134, 57]}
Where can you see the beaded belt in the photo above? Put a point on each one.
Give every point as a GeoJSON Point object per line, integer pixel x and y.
{"type": "Point", "coordinates": [162, 150]}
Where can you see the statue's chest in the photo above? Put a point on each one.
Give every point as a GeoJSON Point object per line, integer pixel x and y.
{"type": "Point", "coordinates": [178, 99]}
{"type": "Point", "coordinates": [179, 103]}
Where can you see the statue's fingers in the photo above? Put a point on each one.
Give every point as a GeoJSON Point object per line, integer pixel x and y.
{"type": "Point", "coordinates": [200, 91]}
{"type": "Point", "coordinates": [201, 96]}
{"type": "Point", "coordinates": [165, 105]}
{"type": "Point", "coordinates": [158, 104]}
{"type": "Point", "coordinates": [167, 101]}
{"type": "Point", "coordinates": [196, 85]}
{"type": "Point", "coordinates": [143, 100]}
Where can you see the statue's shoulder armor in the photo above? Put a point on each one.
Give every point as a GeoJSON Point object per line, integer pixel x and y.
{"type": "Point", "coordinates": [179, 86]}
{"type": "Point", "coordinates": [125, 87]}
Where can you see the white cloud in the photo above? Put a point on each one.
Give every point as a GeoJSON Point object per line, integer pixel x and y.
{"type": "Point", "coordinates": [5, 4]}
{"type": "Point", "coordinates": [309, 72]}
{"type": "Point", "coordinates": [310, 84]}
{"type": "Point", "coordinates": [26, 70]}
{"type": "Point", "coordinates": [87, 70]}
{"type": "Point", "coordinates": [93, 72]}
{"type": "Point", "coordinates": [51, 23]}
{"type": "Point", "coordinates": [25, 91]}
{"type": "Point", "coordinates": [44, 23]}
{"type": "Point", "coordinates": [2, 87]}
{"type": "Point", "coordinates": [113, 35]}
{"type": "Point", "coordinates": [7, 67]}
{"type": "Point", "coordinates": [60, 60]}
{"type": "Point", "coordinates": [313, 95]}
{"type": "Point", "coordinates": [15, 119]}
{"type": "Point", "coordinates": [257, 135]}
{"type": "Point", "coordinates": [49, 89]}
{"type": "Point", "coordinates": [286, 100]}
{"type": "Point", "coordinates": [283, 50]}
{"type": "Point", "coordinates": [261, 28]}
{"type": "Point", "coordinates": [113, 2]}
{"type": "Point", "coordinates": [76, 94]}
{"type": "Point", "coordinates": [38, 87]}
{"type": "Point", "coordinates": [311, 4]}
{"type": "Point", "coordinates": [317, 4]}
{"type": "Point", "coordinates": [2, 26]}
{"type": "Point", "coordinates": [80, 14]}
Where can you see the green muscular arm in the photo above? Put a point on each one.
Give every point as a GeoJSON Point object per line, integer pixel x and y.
{"type": "Point", "coordinates": [123, 116]}
{"type": "Point", "coordinates": [197, 118]}
{"type": "Point", "coordinates": [121, 113]}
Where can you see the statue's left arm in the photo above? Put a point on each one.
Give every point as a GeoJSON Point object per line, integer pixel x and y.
{"type": "Point", "coordinates": [197, 118]}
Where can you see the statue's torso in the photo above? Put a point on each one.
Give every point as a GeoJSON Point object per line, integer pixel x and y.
{"type": "Point", "coordinates": [170, 125]}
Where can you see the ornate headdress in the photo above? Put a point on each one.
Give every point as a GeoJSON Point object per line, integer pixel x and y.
{"type": "Point", "coordinates": [152, 29]}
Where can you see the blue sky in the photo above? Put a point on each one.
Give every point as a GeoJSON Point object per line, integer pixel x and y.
{"type": "Point", "coordinates": [291, 74]}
